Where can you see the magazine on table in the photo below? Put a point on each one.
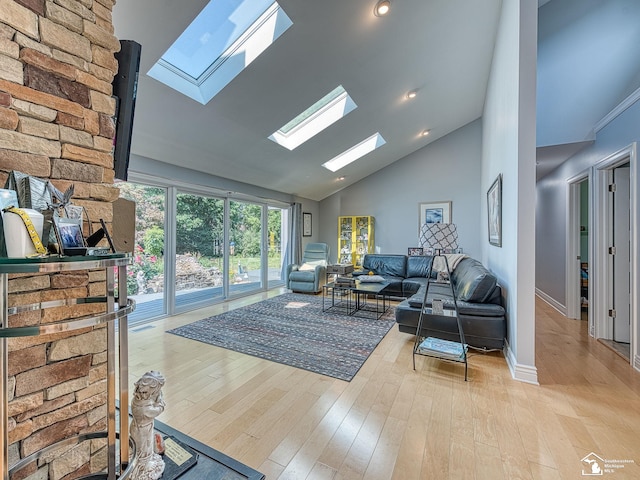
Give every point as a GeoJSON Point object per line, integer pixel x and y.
{"type": "Point", "coordinates": [442, 348]}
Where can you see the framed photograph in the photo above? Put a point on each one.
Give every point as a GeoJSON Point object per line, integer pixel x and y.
{"type": "Point", "coordinates": [69, 234]}
{"type": "Point", "coordinates": [494, 212]}
{"type": "Point", "coordinates": [435, 212]}
{"type": "Point", "coordinates": [415, 251]}
{"type": "Point", "coordinates": [306, 224]}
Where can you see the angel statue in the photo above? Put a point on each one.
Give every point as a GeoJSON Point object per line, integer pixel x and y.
{"type": "Point", "coordinates": [147, 404]}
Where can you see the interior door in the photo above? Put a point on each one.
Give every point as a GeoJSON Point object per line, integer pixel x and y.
{"type": "Point", "coordinates": [621, 259]}
{"type": "Point", "coordinates": [583, 257]}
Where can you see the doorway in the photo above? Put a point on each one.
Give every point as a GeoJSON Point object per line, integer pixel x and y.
{"type": "Point", "coordinates": [578, 252]}
{"type": "Point", "coordinates": [620, 259]}
{"type": "Point", "coordinates": [615, 253]}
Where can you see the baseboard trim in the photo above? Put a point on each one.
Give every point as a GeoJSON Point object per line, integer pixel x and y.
{"type": "Point", "coordinates": [522, 373]}
{"type": "Point", "coordinates": [552, 302]}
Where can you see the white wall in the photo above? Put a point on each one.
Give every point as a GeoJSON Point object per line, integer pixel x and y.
{"type": "Point", "coordinates": [445, 170]}
{"type": "Point", "coordinates": [508, 148]}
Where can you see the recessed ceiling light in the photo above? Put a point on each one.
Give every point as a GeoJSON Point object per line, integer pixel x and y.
{"type": "Point", "coordinates": [424, 133]}
{"type": "Point", "coordinates": [340, 179]}
{"type": "Point", "coordinates": [382, 8]}
{"type": "Point", "coordinates": [412, 94]}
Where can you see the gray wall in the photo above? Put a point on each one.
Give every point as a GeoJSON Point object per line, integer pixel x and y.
{"type": "Point", "coordinates": [446, 170]}
{"type": "Point", "coordinates": [509, 150]}
{"type": "Point", "coordinates": [148, 166]}
{"type": "Point", "coordinates": [551, 211]}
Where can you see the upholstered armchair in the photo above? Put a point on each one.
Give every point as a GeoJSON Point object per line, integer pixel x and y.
{"type": "Point", "coordinates": [311, 274]}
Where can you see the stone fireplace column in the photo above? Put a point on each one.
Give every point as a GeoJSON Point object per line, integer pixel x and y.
{"type": "Point", "coordinates": [56, 122]}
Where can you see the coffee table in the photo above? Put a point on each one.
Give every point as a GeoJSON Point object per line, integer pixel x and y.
{"type": "Point", "coordinates": [354, 299]}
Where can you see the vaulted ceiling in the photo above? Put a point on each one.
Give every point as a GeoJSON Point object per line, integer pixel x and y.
{"type": "Point", "coordinates": [588, 63]}
{"type": "Point", "coordinates": [441, 48]}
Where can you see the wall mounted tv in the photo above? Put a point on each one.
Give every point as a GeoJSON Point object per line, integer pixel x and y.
{"type": "Point", "coordinates": [125, 89]}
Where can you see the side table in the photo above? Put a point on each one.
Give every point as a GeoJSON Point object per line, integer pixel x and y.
{"type": "Point", "coordinates": [338, 297]}
{"type": "Point", "coordinates": [339, 269]}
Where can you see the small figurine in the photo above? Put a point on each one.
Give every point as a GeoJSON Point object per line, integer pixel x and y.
{"type": "Point", "coordinates": [146, 405]}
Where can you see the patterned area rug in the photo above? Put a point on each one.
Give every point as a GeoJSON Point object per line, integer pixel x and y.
{"type": "Point", "coordinates": [292, 329]}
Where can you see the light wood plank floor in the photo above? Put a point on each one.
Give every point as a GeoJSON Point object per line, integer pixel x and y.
{"type": "Point", "coordinates": [391, 422]}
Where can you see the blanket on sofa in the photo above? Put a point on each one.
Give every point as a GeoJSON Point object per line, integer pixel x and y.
{"type": "Point", "coordinates": [454, 259]}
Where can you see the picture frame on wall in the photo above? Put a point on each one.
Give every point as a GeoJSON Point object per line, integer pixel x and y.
{"type": "Point", "coordinates": [306, 224]}
{"type": "Point", "coordinates": [434, 212]}
{"type": "Point", "coordinates": [494, 212]}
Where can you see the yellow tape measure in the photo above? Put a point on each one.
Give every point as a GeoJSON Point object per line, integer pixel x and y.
{"type": "Point", "coordinates": [35, 238]}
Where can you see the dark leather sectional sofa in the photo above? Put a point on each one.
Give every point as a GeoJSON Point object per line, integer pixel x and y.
{"type": "Point", "coordinates": [479, 297]}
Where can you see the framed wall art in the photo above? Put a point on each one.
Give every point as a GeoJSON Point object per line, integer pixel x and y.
{"type": "Point", "coordinates": [306, 224]}
{"type": "Point", "coordinates": [494, 212]}
{"type": "Point", "coordinates": [434, 212]}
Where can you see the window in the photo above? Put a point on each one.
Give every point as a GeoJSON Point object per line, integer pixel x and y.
{"type": "Point", "coordinates": [326, 111]}
{"type": "Point", "coordinates": [221, 41]}
{"type": "Point", "coordinates": [368, 145]}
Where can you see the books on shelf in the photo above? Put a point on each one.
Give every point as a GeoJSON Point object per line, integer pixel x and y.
{"type": "Point", "coordinates": [443, 348]}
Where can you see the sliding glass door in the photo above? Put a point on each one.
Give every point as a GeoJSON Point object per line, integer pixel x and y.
{"type": "Point", "coordinates": [194, 249]}
{"type": "Point", "coordinates": [245, 247]}
{"type": "Point", "coordinates": [145, 277]}
{"type": "Point", "coordinates": [277, 242]}
{"type": "Point", "coordinates": [199, 260]}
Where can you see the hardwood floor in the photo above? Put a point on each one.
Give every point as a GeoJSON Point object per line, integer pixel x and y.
{"type": "Point", "coordinates": [391, 422]}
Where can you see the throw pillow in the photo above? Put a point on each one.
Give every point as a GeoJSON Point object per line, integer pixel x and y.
{"type": "Point", "coordinates": [371, 278]}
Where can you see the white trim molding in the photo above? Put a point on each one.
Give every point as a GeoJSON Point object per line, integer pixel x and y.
{"type": "Point", "coordinates": [552, 302]}
{"type": "Point", "coordinates": [572, 255]}
{"type": "Point", "coordinates": [621, 107]}
{"type": "Point", "coordinates": [522, 373]}
{"type": "Point", "coordinates": [601, 292]}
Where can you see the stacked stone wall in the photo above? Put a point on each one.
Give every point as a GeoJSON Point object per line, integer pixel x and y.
{"type": "Point", "coordinates": [56, 122]}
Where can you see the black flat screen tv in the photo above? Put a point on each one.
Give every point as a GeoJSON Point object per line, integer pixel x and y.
{"type": "Point", "coordinates": [125, 89]}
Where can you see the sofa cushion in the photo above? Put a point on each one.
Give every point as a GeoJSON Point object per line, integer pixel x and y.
{"type": "Point", "coordinates": [480, 309]}
{"type": "Point", "coordinates": [473, 282]}
{"type": "Point", "coordinates": [394, 287]}
{"type": "Point", "coordinates": [302, 276]}
{"type": "Point", "coordinates": [441, 290]}
{"type": "Point", "coordinates": [418, 266]}
{"type": "Point", "coordinates": [311, 265]}
{"type": "Point", "coordinates": [386, 265]}
{"type": "Point", "coordinates": [412, 285]}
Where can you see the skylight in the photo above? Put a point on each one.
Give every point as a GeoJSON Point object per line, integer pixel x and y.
{"type": "Point", "coordinates": [225, 37]}
{"type": "Point", "coordinates": [354, 153]}
{"type": "Point", "coordinates": [326, 111]}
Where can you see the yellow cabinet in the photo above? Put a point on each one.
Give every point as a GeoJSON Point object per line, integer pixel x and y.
{"type": "Point", "coordinates": [355, 238]}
